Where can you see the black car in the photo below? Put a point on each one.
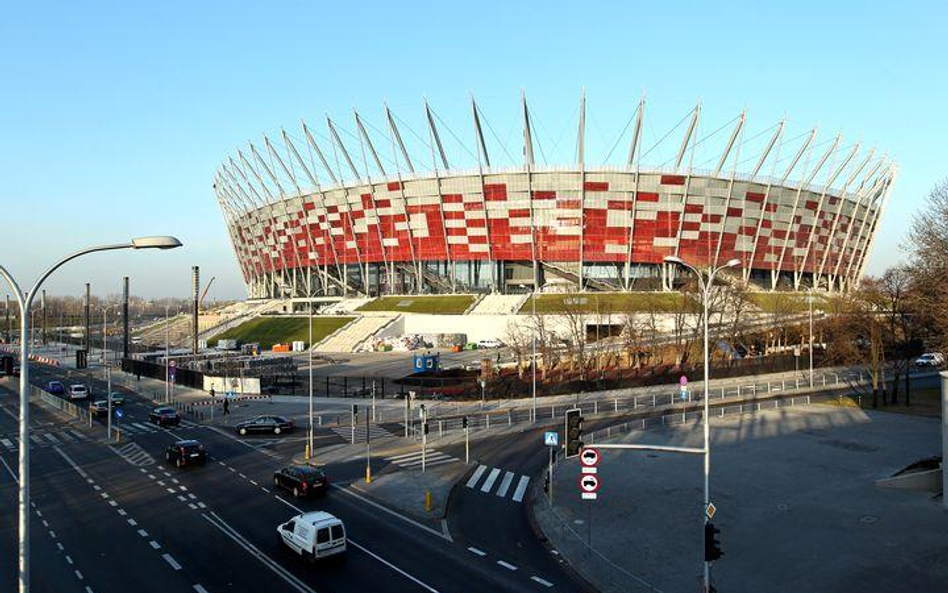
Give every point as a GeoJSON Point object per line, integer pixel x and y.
{"type": "Point", "coordinates": [271, 424]}
{"type": "Point", "coordinates": [164, 416]}
{"type": "Point", "coordinates": [184, 453]}
{"type": "Point", "coordinates": [302, 480]}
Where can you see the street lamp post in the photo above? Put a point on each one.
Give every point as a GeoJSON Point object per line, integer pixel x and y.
{"type": "Point", "coordinates": [533, 358]}
{"type": "Point", "coordinates": [810, 300]}
{"type": "Point", "coordinates": [705, 288]}
{"type": "Point", "coordinates": [310, 451]}
{"type": "Point", "coordinates": [25, 300]}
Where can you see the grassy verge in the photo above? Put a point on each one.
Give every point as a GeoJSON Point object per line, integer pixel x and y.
{"type": "Point", "coordinates": [925, 401]}
{"type": "Point", "coordinates": [280, 330]}
{"type": "Point", "coordinates": [610, 302]}
{"type": "Point", "coordinates": [439, 305]}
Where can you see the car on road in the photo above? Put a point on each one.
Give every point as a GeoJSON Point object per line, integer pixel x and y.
{"type": "Point", "coordinates": [269, 424]}
{"type": "Point", "coordinates": [187, 452]}
{"type": "Point", "coordinates": [302, 480]}
{"type": "Point", "coordinates": [99, 407]}
{"type": "Point", "coordinates": [164, 416]}
{"type": "Point", "coordinates": [314, 535]}
{"type": "Point", "coordinates": [56, 388]}
{"type": "Point", "coordinates": [490, 343]}
{"type": "Point", "coordinates": [78, 391]}
{"type": "Point", "coordinates": [930, 359]}
{"type": "Point", "coordinates": [117, 398]}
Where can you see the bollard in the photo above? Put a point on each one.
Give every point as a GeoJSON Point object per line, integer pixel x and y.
{"type": "Point", "coordinates": [440, 428]}
{"type": "Point", "coordinates": [319, 419]}
{"type": "Point", "coordinates": [509, 417]}
{"type": "Point", "coordinates": [428, 503]}
{"type": "Point", "coordinates": [487, 422]}
{"type": "Point", "coordinates": [552, 412]}
{"type": "Point", "coordinates": [634, 405]}
{"type": "Point", "coordinates": [595, 407]}
{"type": "Point", "coordinates": [653, 400]}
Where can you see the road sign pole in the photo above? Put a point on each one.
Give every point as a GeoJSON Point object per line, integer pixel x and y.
{"type": "Point", "coordinates": [424, 436]}
{"type": "Point", "coordinates": [467, 444]}
{"type": "Point", "coordinates": [108, 396]}
{"type": "Point", "coordinates": [550, 476]}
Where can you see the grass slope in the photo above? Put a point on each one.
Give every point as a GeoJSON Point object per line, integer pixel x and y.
{"type": "Point", "coordinates": [608, 302]}
{"type": "Point", "coordinates": [281, 330]}
{"type": "Point", "coordinates": [439, 305]}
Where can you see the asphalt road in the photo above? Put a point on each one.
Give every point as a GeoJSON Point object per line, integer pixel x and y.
{"type": "Point", "coordinates": [126, 521]}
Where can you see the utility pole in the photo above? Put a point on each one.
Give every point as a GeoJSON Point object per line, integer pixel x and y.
{"type": "Point", "coordinates": [167, 355]}
{"type": "Point", "coordinates": [424, 435]}
{"type": "Point", "coordinates": [196, 282]}
{"type": "Point", "coordinates": [368, 451]}
{"type": "Point", "coordinates": [125, 317]}
{"type": "Point", "coordinates": [88, 319]}
{"type": "Point", "coordinates": [811, 335]}
{"type": "Point", "coordinates": [467, 441]}
{"type": "Point", "coordinates": [108, 396]}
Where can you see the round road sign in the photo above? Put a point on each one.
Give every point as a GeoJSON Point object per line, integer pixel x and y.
{"type": "Point", "coordinates": [683, 380]}
{"type": "Point", "coordinates": [589, 483]}
{"type": "Point", "coordinates": [589, 457]}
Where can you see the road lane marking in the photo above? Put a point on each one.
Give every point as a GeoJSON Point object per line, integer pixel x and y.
{"type": "Point", "coordinates": [476, 476]}
{"type": "Point", "coordinates": [174, 563]}
{"type": "Point", "coordinates": [543, 582]}
{"type": "Point", "coordinates": [505, 484]}
{"type": "Point", "coordinates": [506, 565]}
{"type": "Point", "coordinates": [133, 522]}
{"type": "Point", "coordinates": [491, 478]}
{"type": "Point", "coordinates": [521, 488]}
{"type": "Point", "coordinates": [478, 552]}
{"type": "Point", "coordinates": [155, 545]}
{"type": "Point", "coordinates": [69, 460]}
{"type": "Point", "coordinates": [121, 512]}
{"type": "Point", "coordinates": [78, 575]}
{"type": "Point", "coordinates": [142, 533]}
{"type": "Point", "coordinates": [200, 589]}
{"type": "Point", "coordinates": [69, 559]}
{"type": "Point", "coordinates": [385, 510]}
{"type": "Point", "coordinates": [274, 566]}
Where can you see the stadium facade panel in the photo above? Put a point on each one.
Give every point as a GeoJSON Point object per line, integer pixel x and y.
{"type": "Point", "coordinates": [578, 228]}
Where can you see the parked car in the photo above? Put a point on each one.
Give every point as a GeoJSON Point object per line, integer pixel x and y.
{"type": "Point", "coordinates": [492, 343]}
{"type": "Point", "coordinates": [56, 388]}
{"type": "Point", "coordinates": [78, 392]}
{"type": "Point", "coordinates": [164, 416]}
{"type": "Point", "coordinates": [930, 359]}
{"type": "Point", "coordinates": [271, 424]}
{"type": "Point", "coordinates": [302, 480]}
{"type": "Point", "coordinates": [314, 535]}
{"type": "Point", "coordinates": [189, 452]}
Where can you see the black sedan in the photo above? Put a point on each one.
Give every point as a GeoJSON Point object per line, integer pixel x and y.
{"type": "Point", "coordinates": [267, 424]}
{"type": "Point", "coordinates": [302, 480]}
{"type": "Point", "coordinates": [164, 416]}
{"type": "Point", "coordinates": [182, 453]}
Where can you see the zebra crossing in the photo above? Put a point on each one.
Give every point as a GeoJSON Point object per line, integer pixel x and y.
{"type": "Point", "coordinates": [375, 432]}
{"type": "Point", "coordinates": [11, 442]}
{"type": "Point", "coordinates": [491, 475]}
{"type": "Point", "coordinates": [433, 458]}
{"type": "Point", "coordinates": [55, 437]}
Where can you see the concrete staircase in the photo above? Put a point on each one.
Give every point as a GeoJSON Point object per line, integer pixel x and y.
{"type": "Point", "coordinates": [349, 337]}
{"type": "Point", "coordinates": [499, 304]}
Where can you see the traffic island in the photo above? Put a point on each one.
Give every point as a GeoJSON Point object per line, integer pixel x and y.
{"type": "Point", "coordinates": [797, 506]}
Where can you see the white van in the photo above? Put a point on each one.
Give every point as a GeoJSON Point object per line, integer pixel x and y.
{"type": "Point", "coordinates": [490, 343]}
{"type": "Point", "coordinates": [314, 535]}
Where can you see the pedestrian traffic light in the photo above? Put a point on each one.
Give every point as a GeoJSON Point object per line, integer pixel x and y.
{"type": "Point", "coordinates": [355, 409]}
{"type": "Point", "coordinates": [712, 547]}
{"type": "Point", "coordinates": [464, 422]}
{"type": "Point", "coordinates": [574, 432]}
{"type": "Point", "coordinates": [82, 359]}
{"type": "Point", "coordinates": [425, 425]}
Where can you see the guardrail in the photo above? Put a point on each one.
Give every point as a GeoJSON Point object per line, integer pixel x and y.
{"type": "Point", "coordinates": [67, 407]}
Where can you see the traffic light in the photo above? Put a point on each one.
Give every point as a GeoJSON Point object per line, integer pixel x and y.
{"type": "Point", "coordinates": [82, 359]}
{"type": "Point", "coordinates": [712, 547]}
{"type": "Point", "coordinates": [425, 425]}
{"type": "Point", "coordinates": [464, 422]}
{"type": "Point", "coordinates": [574, 432]}
{"type": "Point", "coordinates": [355, 409]}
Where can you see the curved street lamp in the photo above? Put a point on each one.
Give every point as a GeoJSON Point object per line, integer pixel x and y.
{"type": "Point", "coordinates": [25, 300]}
{"type": "Point", "coordinates": [705, 288]}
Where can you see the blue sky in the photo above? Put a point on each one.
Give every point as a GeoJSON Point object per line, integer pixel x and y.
{"type": "Point", "coordinates": [115, 115]}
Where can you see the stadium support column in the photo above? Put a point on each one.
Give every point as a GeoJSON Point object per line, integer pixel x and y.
{"type": "Point", "coordinates": [730, 184]}
{"type": "Point", "coordinates": [528, 164]}
{"type": "Point", "coordinates": [88, 306]}
{"type": "Point", "coordinates": [690, 136]}
{"type": "Point", "coordinates": [483, 158]}
{"type": "Point", "coordinates": [195, 306]}
{"type": "Point", "coordinates": [865, 199]}
{"type": "Point", "coordinates": [749, 266]}
{"type": "Point", "coordinates": [634, 155]}
{"type": "Point", "coordinates": [125, 317]}
{"type": "Point", "coordinates": [873, 231]}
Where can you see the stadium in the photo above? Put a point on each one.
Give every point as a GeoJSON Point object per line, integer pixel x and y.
{"type": "Point", "coordinates": [311, 214]}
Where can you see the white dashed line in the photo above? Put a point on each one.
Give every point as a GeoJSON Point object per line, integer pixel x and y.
{"type": "Point", "coordinates": [89, 589]}
{"type": "Point", "coordinates": [60, 546]}
{"type": "Point", "coordinates": [113, 503]}
{"type": "Point", "coordinates": [78, 575]}
{"type": "Point", "coordinates": [254, 483]}
{"type": "Point", "coordinates": [506, 565]}
{"type": "Point", "coordinates": [52, 534]}
{"type": "Point", "coordinates": [200, 589]}
{"type": "Point", "coordinates": [97, 487]}
{"type": "Point", "coordinates": [68, 559]}
{"type": "Point", "coordinates": [132, 522]}
{"type": "Point", "coordinates": [182, 498]}
{"type": "Point", "coordinates": [476, 551]}
{"type": "Point", "coordinates": [122, 512]}
{"type": "Point", "coordinates": [142, 533]}
{"type": "Point", "coordinates": [543, 582]}
{"type": "Point", "coordinates": [152, 476]}
{"type": "Point", "coordinates": [193, 506]}
{"type": "Point", "coordinates": [104, 494]}
{"type": "Point", "coordinates": [201, 505]}
{"type": "Point", "coordinates": [155, 545]}
{"type": "Point", "coordinates": [45, 524]}
{"type": "Point", "coordinates": [174, 563]}
{"type": "Point", "coordinates": [265, 490]}
{"type": "Point", "coordinates": [170, 490]}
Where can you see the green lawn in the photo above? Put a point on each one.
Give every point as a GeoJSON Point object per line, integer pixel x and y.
{"type": "Point", "coordinates": [440, 305]}
{"type": "Point", "coordinates": [610, 302]}
{"type": "Point", "coordinates": [926, 401]}
{"type": "Point", "coordinates": [281, 330]}
{"type": "Point", "coordinates": [785, 302]}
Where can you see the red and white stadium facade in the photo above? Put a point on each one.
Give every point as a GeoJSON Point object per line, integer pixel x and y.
{"type": "Point", "coordinates": [300, 228]}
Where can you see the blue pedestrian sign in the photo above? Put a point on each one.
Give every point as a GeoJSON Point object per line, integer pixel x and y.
{"type": "Point", "coordinates": [118, 413]}
{"type": "Point", "coordinates": [551, 438]}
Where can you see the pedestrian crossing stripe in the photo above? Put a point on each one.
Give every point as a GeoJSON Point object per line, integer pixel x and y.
{"type": "Point", "coordinates": [412, 460]}
{"type": "Point", "coordinates": [374, 432]}
{"type": "Point", "coordinates": [488, 484]}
